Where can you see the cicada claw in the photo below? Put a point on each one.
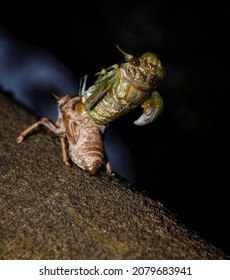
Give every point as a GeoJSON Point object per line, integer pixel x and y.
{"type": "Point", "coordinates": [152, 108]}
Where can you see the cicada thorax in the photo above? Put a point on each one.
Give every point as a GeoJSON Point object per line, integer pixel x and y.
{"type": "Point", "coordinates": [84, 139]}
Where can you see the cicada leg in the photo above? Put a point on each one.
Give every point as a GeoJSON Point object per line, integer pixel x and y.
{"type": "Point", "coordinates": [108, 167]}
{"type": "Point", "coordinates": [152, 108]}
{"type": "Point", "coordinates": [64, 150]}
{"type": "Point", "coordinates": [45, 122]}
{"type": "Point", "coordinates": [57, 130]}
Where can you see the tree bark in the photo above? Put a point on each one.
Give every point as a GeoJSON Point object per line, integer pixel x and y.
{"type": "Point", "coordinates": [51, 211]}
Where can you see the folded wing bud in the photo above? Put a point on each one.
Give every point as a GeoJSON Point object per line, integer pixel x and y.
{"type": "Point", "coordinates": [153, 106]}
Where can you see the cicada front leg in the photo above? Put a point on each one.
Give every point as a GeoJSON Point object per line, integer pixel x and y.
{"type": "Point", "coordinates": [52, 127]}
{"type": "Point", "coordinates": [152, 108]}
{"type": "Point", "coordinates": [45, 122]}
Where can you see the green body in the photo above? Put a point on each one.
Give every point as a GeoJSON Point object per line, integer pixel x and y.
{"type": "Point", "coordinates": [120, 89]}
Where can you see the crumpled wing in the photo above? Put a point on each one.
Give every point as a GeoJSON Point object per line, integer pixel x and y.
{"type": "Point", "coordinates": [153, 107]}
{"type": "Point", "coordinates": [101, 87]}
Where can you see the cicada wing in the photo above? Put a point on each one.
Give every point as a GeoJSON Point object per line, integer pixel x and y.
{"type": "Point", "coordinates": [102, 86]}
{"type": "Point", "coordinates": [153, 107]}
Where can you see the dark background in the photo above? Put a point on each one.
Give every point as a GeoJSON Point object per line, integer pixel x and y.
{"type": "Point", "coordinates": [182, 159]}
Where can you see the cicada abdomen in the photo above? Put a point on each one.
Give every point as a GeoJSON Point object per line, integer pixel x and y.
{"type": "Point", "coordinates": [87, 151]}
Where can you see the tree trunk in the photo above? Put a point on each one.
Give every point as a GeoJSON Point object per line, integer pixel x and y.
{"type": "Point", "coordinates": [51, 211]}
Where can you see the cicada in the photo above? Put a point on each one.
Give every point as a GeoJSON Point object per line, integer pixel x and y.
{"type": "Point", "coordinates": [120, 89]}
{"type": "Point", "coordinates": [82, 120]}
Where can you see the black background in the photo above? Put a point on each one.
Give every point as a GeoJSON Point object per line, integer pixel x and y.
{"type": "Point", "coordinates": [182, 159]}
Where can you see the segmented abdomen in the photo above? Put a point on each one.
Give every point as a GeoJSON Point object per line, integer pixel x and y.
{"type": "Point", "coordinates": [119, 100]}
{"type": "Point", "coordinates": [88, 153]}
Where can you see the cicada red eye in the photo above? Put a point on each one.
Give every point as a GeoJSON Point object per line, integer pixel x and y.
{"type": "Point", "coordinates": [134, 62]}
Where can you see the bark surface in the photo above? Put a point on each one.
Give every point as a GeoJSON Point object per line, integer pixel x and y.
{"type": "Point", "coordinates": [51, 211]}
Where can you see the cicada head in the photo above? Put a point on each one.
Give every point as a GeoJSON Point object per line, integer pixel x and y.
{"type": "Point", "coordinates": [152, 69]}
{"type": "Point", "coordinates": [145, 71]}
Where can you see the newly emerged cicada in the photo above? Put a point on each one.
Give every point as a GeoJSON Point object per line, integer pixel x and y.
{"type": "Point", "coordinates": [82, 119]}
{"type": "Point", "coordinates": [120, 89]}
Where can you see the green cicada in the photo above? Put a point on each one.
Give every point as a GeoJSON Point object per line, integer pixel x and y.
{"type": "Point", "coordinates": [119, 89]}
